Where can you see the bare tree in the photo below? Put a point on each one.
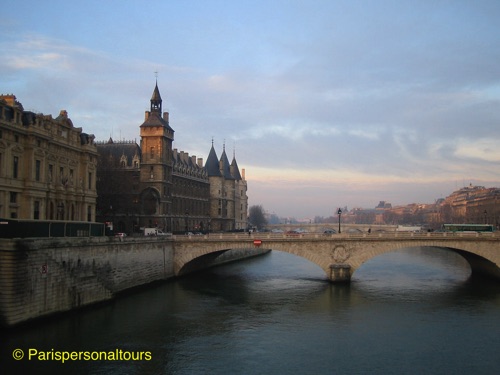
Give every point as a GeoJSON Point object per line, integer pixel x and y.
{"type": "Point", "coordinates": [256, 217]}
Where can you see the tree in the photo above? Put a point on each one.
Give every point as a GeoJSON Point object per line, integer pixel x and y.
{"type": "Point", "coordinates": [256, 217]}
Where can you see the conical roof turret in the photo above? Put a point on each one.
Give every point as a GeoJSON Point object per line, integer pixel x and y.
{"type": "Point", "coordinates": [212, 164]}
{"type": "Point", "coordinates": [235, 170]}
{"type": "Point", "coordinates": [225, 166]}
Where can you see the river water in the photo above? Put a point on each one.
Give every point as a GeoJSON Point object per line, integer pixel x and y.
{"type": "Point", "coordinates": [415, 311]}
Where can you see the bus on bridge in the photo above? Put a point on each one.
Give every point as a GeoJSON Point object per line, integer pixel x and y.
{"type": "Point", "coordinates": [471, 228]}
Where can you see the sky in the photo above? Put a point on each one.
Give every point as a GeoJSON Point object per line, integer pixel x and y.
{"type": "Point", "coordinates": [324, 103]}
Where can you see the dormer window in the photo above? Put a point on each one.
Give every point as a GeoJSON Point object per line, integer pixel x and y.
{"type": "Point", "coordinates": [123, 161]}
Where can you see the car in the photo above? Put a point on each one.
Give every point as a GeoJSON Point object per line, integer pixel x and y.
{"type": "Point", "coordinates": [330, 231]}
{"type": "Point", "coordinates": [120, 234]}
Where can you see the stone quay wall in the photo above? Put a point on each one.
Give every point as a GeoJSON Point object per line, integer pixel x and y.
{"type": "Point", "coordinates": [44, 276]}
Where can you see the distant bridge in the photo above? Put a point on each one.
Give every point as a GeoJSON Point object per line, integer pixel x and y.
{"type": "Point", "coordinates": [340, 255]}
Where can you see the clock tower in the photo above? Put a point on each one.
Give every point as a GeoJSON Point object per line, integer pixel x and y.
{"type": "Point", "coordinates": [156, 166]}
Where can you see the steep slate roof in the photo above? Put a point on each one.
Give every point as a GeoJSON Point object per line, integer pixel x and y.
{"type": "Point", "coordinates": [235, 169]}
{"type": "Point", "coordinates": [118, 149]}
{"type": "Point", "coordinates": [212, 164]}
{"type": "Point", "coordinates": [226, 166]}
{"type": "Point", "coordinates": [156, 94]}
{"type": "Point", "coordinates": [185, 165]}
{"type": "Point", "coordinates": [154, 119]}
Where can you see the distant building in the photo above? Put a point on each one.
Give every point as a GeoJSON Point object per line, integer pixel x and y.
{"type": "Point", "coordinates": [47, 166]}
{"type": "Point", "coordinates": [472, 204]}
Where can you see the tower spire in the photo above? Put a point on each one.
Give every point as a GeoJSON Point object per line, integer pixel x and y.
{"type": "Point", "coordinates": [156, 99]}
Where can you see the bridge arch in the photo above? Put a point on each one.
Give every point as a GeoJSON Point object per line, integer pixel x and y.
{"type": "Point", "coordinates": [200, 261]}
{"type": "Point", "coordinates": [479, 259]}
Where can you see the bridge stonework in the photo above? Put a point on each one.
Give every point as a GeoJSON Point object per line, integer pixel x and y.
{"type": "Point", "coordinates": [341, 255]}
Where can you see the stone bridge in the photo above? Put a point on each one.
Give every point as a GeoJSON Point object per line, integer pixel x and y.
{"type": "Point", "coordinates": [340, 255]}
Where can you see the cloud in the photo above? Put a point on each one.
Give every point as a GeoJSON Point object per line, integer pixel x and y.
{"type": "Point", "coordinates": [334, 101]}
{"type": "Point", "coordinates": [480, 149]}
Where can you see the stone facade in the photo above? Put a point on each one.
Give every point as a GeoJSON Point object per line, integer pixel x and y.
{"type": "Point", "coordinates": [42, 277]}
{"type": "Point", "coordinates": [47, 166]}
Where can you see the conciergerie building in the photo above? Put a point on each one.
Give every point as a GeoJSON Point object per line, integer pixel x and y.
{"type": "Point", "coordinates": [52, 170]}
{"type": "Point", "coordinates": [155, 185]}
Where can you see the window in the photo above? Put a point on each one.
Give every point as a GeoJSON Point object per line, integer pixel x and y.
{"type": "Point", "coordinates": [152, 152]}
{"type": "Point", "coordinates": [90, 181]}
{"type": "Point", "coordinates": [13, 197]}
{"type": "Point", "coordinates": [37, 170]}
{"type": "Point", "coordinates": [15, 167]}
{"type": "Point", "coordinates": [36, 210]}
{"type": "Point", "coordinates": [51, 169]}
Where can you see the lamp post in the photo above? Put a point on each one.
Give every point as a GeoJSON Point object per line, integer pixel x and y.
{"type": "Point", "coordinates": [186, 221]}
{"type": "Point", "coordinates": [339, 212]}
{"type": "Point", "coordinates": [485, 213]}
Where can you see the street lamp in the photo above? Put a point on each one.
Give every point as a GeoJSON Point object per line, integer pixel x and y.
{"type": "Point", "coordinates": [485, 213]}
{"type": "Point", "coordinates": [339, 212]}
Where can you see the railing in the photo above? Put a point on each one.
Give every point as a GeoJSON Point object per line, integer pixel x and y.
{"type": "Point", "coordinates": [311, 236]}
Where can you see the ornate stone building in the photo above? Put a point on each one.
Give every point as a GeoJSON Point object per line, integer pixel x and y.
{"type": "Point", "coordinates": [47, 166]}
{"type": "Point", "coordinates": [155, 185]}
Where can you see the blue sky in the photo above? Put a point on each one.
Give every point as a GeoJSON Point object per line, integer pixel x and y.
{"type": "Point", "coordinates": [326, 103]}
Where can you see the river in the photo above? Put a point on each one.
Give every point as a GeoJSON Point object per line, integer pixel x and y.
{"type": "Point", "coordinates": [415, 311]}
